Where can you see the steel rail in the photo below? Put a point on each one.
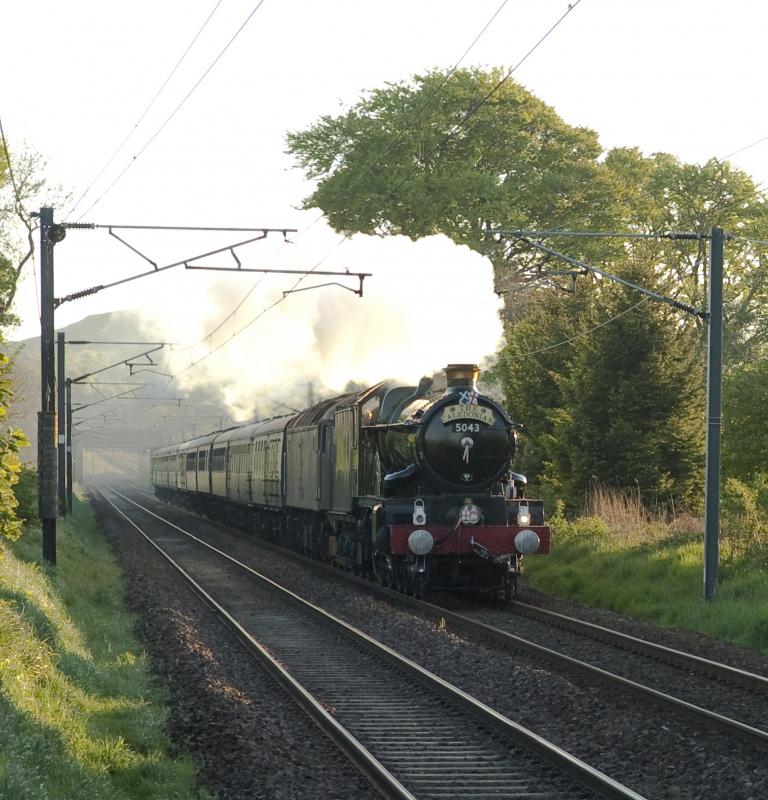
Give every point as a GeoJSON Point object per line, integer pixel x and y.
{"type": "Point", "coordinates": [725, 672]}
{"type": "Point", "coordinates": [366, 763]}
{"type": "Point", "coordinates": [585, 775]}
{"type": "Point", "coordinates": [743, 731]}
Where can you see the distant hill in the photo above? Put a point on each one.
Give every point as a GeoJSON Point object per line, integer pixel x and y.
{"type": "Point", "coordinates": [115, 424]}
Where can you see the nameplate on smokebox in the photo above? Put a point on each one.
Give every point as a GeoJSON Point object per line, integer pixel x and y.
{"type": "Point", "coordinates": [468, 411]}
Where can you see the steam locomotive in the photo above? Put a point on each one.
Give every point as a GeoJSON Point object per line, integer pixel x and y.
{"type": "Point", "coordinates": [409, 485]}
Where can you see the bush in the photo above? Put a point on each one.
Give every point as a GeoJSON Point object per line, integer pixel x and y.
{"type": "Point", "coordinates": [744, 525]}
{"type": "Point", "coordinates": [26, 494]}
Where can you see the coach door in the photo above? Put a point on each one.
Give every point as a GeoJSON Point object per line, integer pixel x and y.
{"type": "Point", "coordinates": [344, 460]}
{"type": "Point", "coordinates": [325, 465]}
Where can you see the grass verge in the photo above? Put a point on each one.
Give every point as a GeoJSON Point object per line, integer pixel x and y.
{"type": "Point", "coordinates": [80, 714]}
{"type": "Point", "coordinates": [653, 571]}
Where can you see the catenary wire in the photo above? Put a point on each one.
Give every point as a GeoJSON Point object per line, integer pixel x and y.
{"type": "Point", "coordinates": [228, 340]}
{"type": "Point", "coordinates": [459, 125]}
{"type": "Point", "coordinates": [419, 112]}
{"type": "Point", "coordinates": [143, 113]}
{"type": "Point", "coordinates": [745, 148]}
{"type": "Point", "coordinates": [417, 115]}
{"type": "Point", "coordinates": [751, 239]}
{"type": "Point", "coordinates": [175, 110]}
{"type": "Point", "coordinates": [583, 333]}
{"type": "Point", "coordinates": [223, 321]}
{"type": "Point", "coordinates": [467, 116]}
{"type": "Point", "coordinates": [443, 141]}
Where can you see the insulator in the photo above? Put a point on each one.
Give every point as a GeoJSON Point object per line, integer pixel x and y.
{"type": "Point", "coordinates": [84, 293]}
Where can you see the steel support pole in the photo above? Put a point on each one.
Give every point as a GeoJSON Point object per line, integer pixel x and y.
{"type": "Point", "coordinates": [714, 411]}
{"type": "Point", "coordinates": [61, 424]}
{"type": "Point", "coordinates": [69, 446]}
{"type": "Point", "coordinates": [46, 446]}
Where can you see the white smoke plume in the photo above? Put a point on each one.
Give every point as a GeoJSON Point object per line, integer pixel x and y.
{"type": "Point", "coordinates": [428, 303]}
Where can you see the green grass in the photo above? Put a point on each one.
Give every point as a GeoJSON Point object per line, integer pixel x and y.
{"type": "Point", "coordinates": [80, 713]}
{"type": "Point", "coordinates": [655, 577]}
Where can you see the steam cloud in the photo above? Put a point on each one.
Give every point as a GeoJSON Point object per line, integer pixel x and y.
{"type": "Point", "coordinates": [428, 303]}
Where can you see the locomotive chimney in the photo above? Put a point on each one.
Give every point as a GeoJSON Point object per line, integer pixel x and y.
{"type": "Point", "coordinates": [461, 377]}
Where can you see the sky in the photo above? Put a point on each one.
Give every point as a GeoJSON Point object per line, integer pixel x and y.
{"type": "Point", "coordinates": [680, 76]}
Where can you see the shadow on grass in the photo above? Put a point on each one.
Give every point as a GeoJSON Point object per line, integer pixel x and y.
{"type": "Point", "coordinates": [96, 680]}
{"type": "Point", "coordinates": [73, 666]}
{"type": "Point", "coordinates": [39, 763]}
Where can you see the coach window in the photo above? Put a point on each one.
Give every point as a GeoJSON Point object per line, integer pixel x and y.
{"type": "Point", "coordinates": [217, 459]}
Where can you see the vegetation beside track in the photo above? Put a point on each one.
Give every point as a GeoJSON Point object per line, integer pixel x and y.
{"type": "Point", "coordinates": [618, 557]}
{"type": "Point", "coordinates": [80, 714]}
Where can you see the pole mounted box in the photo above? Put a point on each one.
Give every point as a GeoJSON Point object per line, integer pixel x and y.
{"type": "Point", "coordinates": [48, 501]}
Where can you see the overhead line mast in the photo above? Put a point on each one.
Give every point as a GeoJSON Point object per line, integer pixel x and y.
{"type": "Point", "coordinates": [713, 316]}
{"type": "Point", "coordinates": [49, 468]}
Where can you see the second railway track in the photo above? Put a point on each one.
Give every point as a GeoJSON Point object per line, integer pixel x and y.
{"type": "Point", "coordinates": [710, 693]}
{"type": "Point", "coordinates": [427, 739]}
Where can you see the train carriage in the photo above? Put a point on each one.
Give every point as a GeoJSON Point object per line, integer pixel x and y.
{"type": "Point", "coordinates": [411, 485]}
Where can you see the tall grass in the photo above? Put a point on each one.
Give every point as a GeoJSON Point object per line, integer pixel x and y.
{"type": "Point", "coordinates": [80, 714]}
{"type": "Point", "coordinates": [631, 522]}
{"type": "Point", "coordinates": [649, 563]}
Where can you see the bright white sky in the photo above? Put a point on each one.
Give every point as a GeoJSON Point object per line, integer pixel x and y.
{"type": "Point", "coordinates": [681, 76]}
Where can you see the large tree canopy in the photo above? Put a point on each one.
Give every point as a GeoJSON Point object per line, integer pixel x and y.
{"type": "Point", "coordinates": [429, 157]}
{"type": "Point", "coordinates": [608, 391]}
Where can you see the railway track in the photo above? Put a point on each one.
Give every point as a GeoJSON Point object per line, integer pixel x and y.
{"type": "Point", "coordinates": [659, 652]}
{"type": "Point", "coordinates": [413, 734]}
{"type": "Point", "coordinates": [706, 692]}
{"type": "Point", "coordinates": [734, 703]}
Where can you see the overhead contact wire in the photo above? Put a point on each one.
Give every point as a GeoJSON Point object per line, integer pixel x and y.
{"type": "Point", "coordinates": [144, 113]}
{"type": "Point", "coordinates": [423, 107]}
{"type": "Point", "coordinates": [459, 125]}
{"type": "Point", "coordinates": [175, 110]}
{"type": "Point", "coordinates": [452, 133]}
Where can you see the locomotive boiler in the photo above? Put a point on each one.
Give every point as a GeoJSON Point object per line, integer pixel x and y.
{"type": "Point", "coordinates": [411, 485]}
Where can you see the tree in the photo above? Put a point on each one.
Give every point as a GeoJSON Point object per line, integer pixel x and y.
{"type": "Point", "coordinates": [429, 157]}
{"type": "Point", "coordinates": [745, 420]}
{"type": "Point", "coordinates": [663, 194]}
{"type": "Point", "coordinates": [631, 409]}
{"type": "Point", "coordinates": [606, 391]}
{"type": "Point", "coordinates": [21, 183]}
{"type": "Point", "coordinates": [10, 443]}
{"type": "Point", "coordinates": [23, 187]}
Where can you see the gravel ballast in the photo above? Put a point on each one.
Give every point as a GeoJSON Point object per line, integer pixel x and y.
{"type": "Point", "coordinates": [656, 754]}
{"type": "Point", "coordinates": [250, 738]}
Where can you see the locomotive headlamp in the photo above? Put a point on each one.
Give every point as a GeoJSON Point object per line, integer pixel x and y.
{"type": "Point", "coordinates": [420, 542]}
{"type": "Point", "coordinates": [469, 513]}
{"type": "Point", "coordinates": [527, 542]}
{"type": "Point", "coordinates": [523, 514]}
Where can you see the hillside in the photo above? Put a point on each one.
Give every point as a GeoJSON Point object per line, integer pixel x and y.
{"type": "Point", "coordinates": [120, 424]}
